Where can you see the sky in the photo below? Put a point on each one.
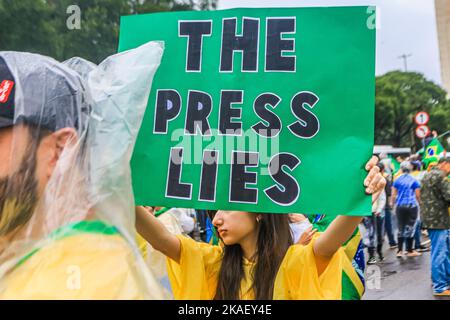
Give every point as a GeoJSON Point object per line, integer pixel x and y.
{"type": "Point", "coordinates": [405, 27]}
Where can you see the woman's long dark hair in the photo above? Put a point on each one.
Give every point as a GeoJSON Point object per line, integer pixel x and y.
{"type": "Point", "coordinates": [274, 239]}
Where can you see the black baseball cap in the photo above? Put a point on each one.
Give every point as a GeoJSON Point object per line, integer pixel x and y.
{"type": "Point", "coordinates": [7, 93]}
{"type": "Point", "coordinates": [39, 90]}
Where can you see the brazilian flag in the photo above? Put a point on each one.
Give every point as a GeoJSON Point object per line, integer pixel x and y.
{"type": "Point", "coordinates": [433, 152]}
{"type": "Point", "coordinates": [395, 164]}
{"type": "Point", "coordinates": [353, 282]}
{"type": "Point", "coordinates": [211, 233]}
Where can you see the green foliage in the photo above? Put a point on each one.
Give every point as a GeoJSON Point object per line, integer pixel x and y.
{"type": "Point", "coordinates": [40, 25]}
{"type": "Point", "coordinates": [399, 96]}
{"type": "Point", "coordinates": [25, 26]}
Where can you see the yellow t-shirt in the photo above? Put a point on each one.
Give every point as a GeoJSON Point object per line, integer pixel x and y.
{"type": "Point", "coordinates": [195, 277]}
{"type": "Point", "coordinates": [80, 265]}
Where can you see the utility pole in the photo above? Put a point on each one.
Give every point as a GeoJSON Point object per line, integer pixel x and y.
{"type": "Point", "coordinates": [405, 60]}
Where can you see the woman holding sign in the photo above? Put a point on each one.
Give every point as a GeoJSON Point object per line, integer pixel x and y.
{"type": "Point", "coordinates": [258, 259]}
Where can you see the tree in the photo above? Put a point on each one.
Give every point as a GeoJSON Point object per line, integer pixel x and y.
{"type": "Point", "coordinates": [98, 36]}
{"type": "Point", "coordinates": [40, 25]}
{"type": "Point", "coordinates": [440, 121]}
{"type": "Point", "coordinates": [399, 96]}
{"type": "Point", "coordinates": [27, 25]}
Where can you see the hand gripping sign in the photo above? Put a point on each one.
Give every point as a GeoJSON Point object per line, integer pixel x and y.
{"type": "Point", "coordinates": [267, 110]}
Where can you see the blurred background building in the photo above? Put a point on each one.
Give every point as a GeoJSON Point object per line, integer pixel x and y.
{"type": "Point", "coordinates": [443, 27]}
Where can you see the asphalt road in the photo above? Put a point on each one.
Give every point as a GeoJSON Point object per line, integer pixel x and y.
{"type": "Point", "coordinates": [400, 278]}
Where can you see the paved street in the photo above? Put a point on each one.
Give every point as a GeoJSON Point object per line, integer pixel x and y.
{"type": "Point", "coordinates": [401, 279]}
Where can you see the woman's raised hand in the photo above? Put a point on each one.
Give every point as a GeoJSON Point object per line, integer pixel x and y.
{"type": "Point", "coordinates": [374, 182]}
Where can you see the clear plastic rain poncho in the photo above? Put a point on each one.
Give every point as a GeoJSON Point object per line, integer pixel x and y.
{"type": "Point", "coordinates": [67, 131]}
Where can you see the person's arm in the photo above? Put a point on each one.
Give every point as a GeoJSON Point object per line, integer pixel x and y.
{"type": "Point", "coordinates": [157, 235]}
{"type": "Point", "coordinates": [339, 231]}
{"type": "Point", "coordinates": [417, 192]}
{"type": "Point", "coordinates": [416, 186]}
{"type": "Point", "coordinates": [342, 228]}
{"type": "Point", "coordinates": [394, 196]}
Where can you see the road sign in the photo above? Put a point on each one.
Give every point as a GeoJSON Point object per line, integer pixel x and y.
{"type": "Point", "coordinates": [422, 131]}
{"type": "Point", "coordinates": [422, 118]}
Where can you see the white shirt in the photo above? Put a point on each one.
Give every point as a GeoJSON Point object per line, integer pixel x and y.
{"type": "Point", "coordinates": [298, 228]}
{"type": "Point", "coordinates": [185, 217]}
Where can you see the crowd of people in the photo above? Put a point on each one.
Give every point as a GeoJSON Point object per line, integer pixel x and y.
{"type": "Point", "coordinates": [416, 200]}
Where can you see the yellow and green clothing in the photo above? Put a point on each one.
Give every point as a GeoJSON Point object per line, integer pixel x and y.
{"type": "Point", "coordinates": [195, 276]}
{"type": "Point", "coordinates": [84, 260]}
{"type": "Point", "coordinates": [352, 275]}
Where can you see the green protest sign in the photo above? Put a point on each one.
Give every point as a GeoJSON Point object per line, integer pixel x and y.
{"type": "Point", "coordinates": [265, 110]}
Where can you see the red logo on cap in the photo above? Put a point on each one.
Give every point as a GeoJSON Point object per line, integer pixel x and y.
{"type": "Point", "coordinates": [5, 89]}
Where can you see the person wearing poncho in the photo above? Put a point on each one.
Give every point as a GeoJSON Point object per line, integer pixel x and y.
{"type": "Point", "coordinates": [66, 204]}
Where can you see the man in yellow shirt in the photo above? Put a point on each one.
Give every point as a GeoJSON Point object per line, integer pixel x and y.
{"type": "Point", "coordinates": [60, 236]}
